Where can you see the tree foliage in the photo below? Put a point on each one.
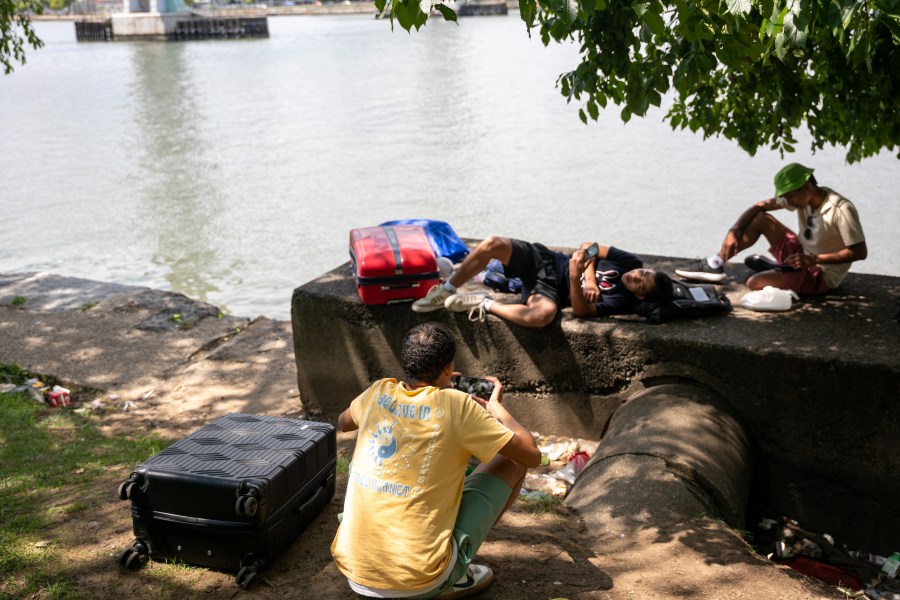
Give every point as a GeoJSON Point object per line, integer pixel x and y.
{"type": "Point", "coordinates": [753, 71]}
{"type": "Point", "coordinates": [16, 31]}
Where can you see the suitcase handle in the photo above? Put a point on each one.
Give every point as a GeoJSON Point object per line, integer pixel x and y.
{"type": "Point", "coordinates": [395, 246]}
{"type": "Point", "coordinates": [322, 489]}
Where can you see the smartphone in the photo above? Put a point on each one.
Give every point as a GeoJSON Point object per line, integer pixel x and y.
{"type": "Point", "coordinates": [473, 385]}
{"type": "Point", "coordinates": [591, 251]}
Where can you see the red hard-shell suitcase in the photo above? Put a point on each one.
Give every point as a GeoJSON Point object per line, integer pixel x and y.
{"type": "Point", "coordinates": [392, 263]}
{"type": "Point", "coordinates": [232, 495]}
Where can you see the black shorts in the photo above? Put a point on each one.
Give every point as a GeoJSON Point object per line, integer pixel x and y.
{"type": "Point", "coordinates": [535, 265]}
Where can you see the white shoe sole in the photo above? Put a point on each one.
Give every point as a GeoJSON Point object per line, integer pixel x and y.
{"type": "Point", "coordinates": [424, 309]}
{"type": "Point", "coordinates": [452, 593]}
{"type": "Point", "coordinates": [697, 276]}
{"type": "Point", "coordinates": [448, 304]}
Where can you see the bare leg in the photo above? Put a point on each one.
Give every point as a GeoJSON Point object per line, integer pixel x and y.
{"type": "Point", "coordinates": [762, 224]}
{"type": "Point", "coordinates": [761, 280]}
{"type": "Point", "coordinates": [473, 264]}
{"type": "Point", "coordinates": [539, 312]}
{"type": "Point", "coordinates": [511, 472]}
{"type": "Point", "coordinates": [767, 225]}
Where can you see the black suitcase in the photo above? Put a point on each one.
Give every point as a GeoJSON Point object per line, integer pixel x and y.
{"type": "Point", "coordinates": [232, 495]}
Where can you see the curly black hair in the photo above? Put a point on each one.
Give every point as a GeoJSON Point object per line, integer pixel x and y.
{"type": "Point", "coordinates": [662, 288]}
{"type": "Point", "coordinates": [427, 349]}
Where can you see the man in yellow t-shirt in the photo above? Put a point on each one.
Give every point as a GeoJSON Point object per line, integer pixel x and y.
{"type": "Point", "coordinates": [412, 519]}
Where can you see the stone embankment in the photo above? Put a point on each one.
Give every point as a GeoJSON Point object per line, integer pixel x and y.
{"type": "Point", "coordinates": [815, 389]}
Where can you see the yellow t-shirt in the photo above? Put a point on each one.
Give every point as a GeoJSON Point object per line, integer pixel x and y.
{"type": "Point", "coordinates": [406, 481]}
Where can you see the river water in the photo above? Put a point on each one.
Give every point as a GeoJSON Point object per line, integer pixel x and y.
{"type": "Point", "coordinates": [232, 171]}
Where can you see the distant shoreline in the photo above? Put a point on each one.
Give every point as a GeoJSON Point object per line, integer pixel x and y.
{"type": "Point", "coordinates": [352, 8]}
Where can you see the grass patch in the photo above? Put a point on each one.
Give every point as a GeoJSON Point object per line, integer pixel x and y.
{"type": "Point", "coordinates": [342, 465]}
{"type": "Point", "coordinates": [19, 301]}
{"type": "Point", "coordinates": [13, 374]}
{"type": "Point", "coordinates": [540, 505]}
{"type": "Point", "coordinates": [48, 453]}
{"type": "Point", "coordinates": [88, 305]}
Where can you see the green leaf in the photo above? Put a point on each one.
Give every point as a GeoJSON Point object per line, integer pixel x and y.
{"type": "Point", "coordinates": [571, 12]}
{"type": "Point", "coordinates": [849, 13]}
{"type": "Point", "coordinates": [600, 5]}
{"type": "Point", "coordinates": [419, 17]}
{"type": "Point", "coordinates": [379, 5]}
{"type": "Point", "coordinates": [654, 22]}
{"type": "Point", "coordinates": [779, 45]}
{"type": "Point", "coordinates": [593, 110]}
{"type": "Point", "coordinates": [626, 115]}
{"type": "Point", "coordinates": [403, 17]}
{"type": "Point", "coordinates": [739, 7]}
{"type": "Point", "coordinates": [527, 12]}
{"type": "Point", "coordinates": [566, 87]}
{"type": "Point", "coordinates": [582, 116]}
{"type": "Point", "coordinates": [448, 13]}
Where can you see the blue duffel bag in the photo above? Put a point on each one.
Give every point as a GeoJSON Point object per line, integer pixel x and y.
{"type": "Point", "coordinates": [444, 240]}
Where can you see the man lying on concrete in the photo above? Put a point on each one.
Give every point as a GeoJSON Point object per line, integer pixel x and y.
{"type": "Point", "coordinates": [612, 282]}
{"type": "Point", "coordinates": [412, 519]}
{"type": "Point", "coordinates": [832, 238]}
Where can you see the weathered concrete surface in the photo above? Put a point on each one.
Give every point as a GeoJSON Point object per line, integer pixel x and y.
{"type": "Point", "coordinates": [816, 387]}
{"type": "Point", "coordinates": [671, 452]}
{"type": "Point", "coordinates": [127, 341]}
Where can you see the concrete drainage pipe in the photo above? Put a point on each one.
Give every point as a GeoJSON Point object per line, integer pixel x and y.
{"type": "Point", "coordinates": [671, 453]}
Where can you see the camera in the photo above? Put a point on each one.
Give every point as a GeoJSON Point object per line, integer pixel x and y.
{"type": "Point", "coordinates": [473, 385]}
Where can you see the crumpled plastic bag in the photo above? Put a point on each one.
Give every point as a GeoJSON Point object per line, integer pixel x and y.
{"type": "Point", "coordinates": [769, 299]}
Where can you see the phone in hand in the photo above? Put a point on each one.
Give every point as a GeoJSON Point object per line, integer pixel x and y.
{"type": "Point", "coordinates": [591, 251]}
{"type": "Point", "coordinates": [473, 385]}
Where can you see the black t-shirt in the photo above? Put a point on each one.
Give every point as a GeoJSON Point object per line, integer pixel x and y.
{"type": "Point", "coordinates": [615, 299]}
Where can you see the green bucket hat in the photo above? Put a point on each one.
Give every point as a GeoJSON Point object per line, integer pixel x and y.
{"type": "Point", "coordinates": [790, 178]}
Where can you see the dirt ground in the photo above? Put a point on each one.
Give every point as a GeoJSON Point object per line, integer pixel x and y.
{"type": "Point", "coordinates": [535, 553]}
{"type": "Point", "coordinates": [135, 372]}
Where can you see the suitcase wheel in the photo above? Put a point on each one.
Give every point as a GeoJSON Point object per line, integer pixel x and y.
{"type": "Point", "coordinates": [133, 557]}
{"type": "Point", "coordinates": [126, 487]}
{"type": "Point", "coordinates": [248, 573]}
{"type": "Point", "coordinates": [125, 490]}
{"type": "Point", "coordinates": [246, 505]}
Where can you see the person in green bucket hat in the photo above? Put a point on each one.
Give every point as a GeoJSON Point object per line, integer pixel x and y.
{"type": "Point", "coordinates": [810, 262]}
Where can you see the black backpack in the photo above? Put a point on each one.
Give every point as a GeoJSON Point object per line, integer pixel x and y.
{"type": "Point", "coordinates": [688, 302]}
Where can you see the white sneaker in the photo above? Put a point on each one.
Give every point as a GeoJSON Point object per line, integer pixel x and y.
{"type": "Point", "coordinates": [433, 300]}
{"type": "Point", "coordinates": [464, 302]}
{"type": "Point", "coordinates": [477, 578]}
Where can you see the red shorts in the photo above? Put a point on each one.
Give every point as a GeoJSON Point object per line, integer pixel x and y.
{"type": "Point", "coordinates": [809, 281]}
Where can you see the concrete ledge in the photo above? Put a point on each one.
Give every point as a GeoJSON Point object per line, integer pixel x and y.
{"type": "Point", "coordinates": [816, 387]}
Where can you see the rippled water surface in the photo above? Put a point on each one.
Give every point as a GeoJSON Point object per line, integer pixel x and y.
{"type": "Point", "coordinates": [232, 171]}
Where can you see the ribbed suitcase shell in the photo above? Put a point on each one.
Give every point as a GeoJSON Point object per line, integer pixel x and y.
{"type": "Point", "coordinates": [235, 492]}
{"type": "Point", "coordinates": [393, 263]}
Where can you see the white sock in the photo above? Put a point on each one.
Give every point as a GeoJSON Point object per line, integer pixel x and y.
{"type": "Point", "coordinates": [449, 287]}
{"type": "Point", "coordinates": [487, 305]}
{"type": "Point", "coordinates": [715, 261]}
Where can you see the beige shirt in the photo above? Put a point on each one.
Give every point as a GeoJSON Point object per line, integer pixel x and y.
{"type": "Point", "coordinates": [833, 226]}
